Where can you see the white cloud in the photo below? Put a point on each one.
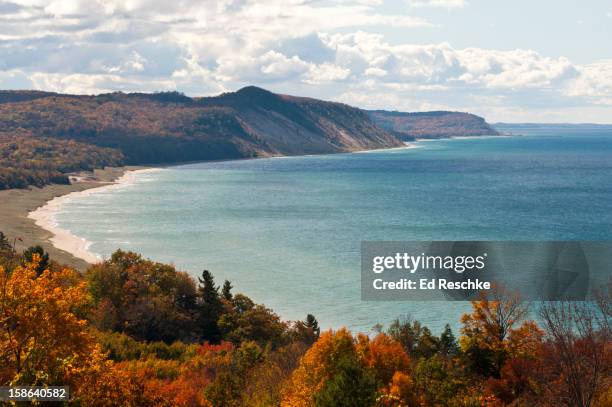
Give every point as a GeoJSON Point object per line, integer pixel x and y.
{"type": "Point", "coordinates": [373, 71]}
{"type": "Point", "coordinates": [328, 49]}
{"type": "Point", "coordinates": [441, 64]}
{"type": "Point", "coordinates": [437, 3]}
{"type": "Point", "coordinates": [594, 82]}
{"type": "Point", "coordinates": [281, 66]}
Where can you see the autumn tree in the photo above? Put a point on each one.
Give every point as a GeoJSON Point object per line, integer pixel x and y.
{"type": "Point", "coordinates": [417, 340]}
{"type": "Point", "coordinates": [318, 366]}
{"type": "Point", "coordinates": [247, 321]}
{"type": "Point", "coordinates": [341, 370]}
{"type": "Point", "coordinates": [577, 351]}
{"type": "Point", "coordinates": [487, 328]}
{"type": "Point", "coordinates": [45, 341]}
{"type": "Point", "coordinates": [268, 379]}
{"type": "Point", "coordinates": [147, 300]}
{"type": "Point", "coordinates": [382, 355]}
{"type": "Point", "coordinates": [436, 381]}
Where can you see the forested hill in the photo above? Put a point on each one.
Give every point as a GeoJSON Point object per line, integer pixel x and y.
{"type": "Point", "coordinates": [169, 128]}
{"type": "Point", "coordinates": [44, 135]}
{"type": "Point", "coordinates": [438, 124]}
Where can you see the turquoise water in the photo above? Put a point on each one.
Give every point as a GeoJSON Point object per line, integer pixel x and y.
{"type": "Point", "coordinates": [287, 231]}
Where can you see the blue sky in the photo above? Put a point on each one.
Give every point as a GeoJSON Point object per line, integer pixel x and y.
{"type": "Point", "coordinates": [579, 30]}
{"type": "Point", "coordinates": [515, 61]}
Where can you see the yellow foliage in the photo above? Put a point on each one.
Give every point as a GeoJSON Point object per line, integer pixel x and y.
{"type": "Point", "coordinates": [383, 356]}
{"type": "Point", "coordinates": [316, 367]}
{"type": "Point", "coordinates": [491, 320]}
{"type": "Point", "coordinates": [44, 341]}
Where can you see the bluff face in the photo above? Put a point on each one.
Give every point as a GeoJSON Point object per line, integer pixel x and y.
{"type": "Point", "coordinates": [432, 125]}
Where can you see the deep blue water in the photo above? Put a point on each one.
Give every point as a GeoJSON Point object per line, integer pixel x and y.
{"type": "Point", "coordinates": [287, 231]}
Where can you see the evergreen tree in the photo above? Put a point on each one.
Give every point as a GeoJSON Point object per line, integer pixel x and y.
{"type": "Point", "coordinates": [43, 264]}
{"type": "Point", "coordinates": [7, 253]}
{"type": "Point", "coordinates": [5, 245]}
{"type": "Point", "coordinates": [448, 343]}
{"type": "Point", "coordinates": [351, 386]}
{"type": "Point", "coordinates": [226, 292]}
{"type": "Point", "coordinates": [208, 290]}
{"type": "Point", "coordinates": [427, 344]}
{"type": "Point", "coordinates": [313, 325]}
{"type": "Point", "coordinates": [209, 306]}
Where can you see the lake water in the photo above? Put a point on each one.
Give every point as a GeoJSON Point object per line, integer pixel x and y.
{"type": "Point", "coordinates": [287, 231]}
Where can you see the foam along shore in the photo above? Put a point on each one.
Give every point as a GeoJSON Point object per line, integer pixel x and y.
{"type": "Point", "coordinates": [407, 146]}
{"type": "Point", "coordinates": [44, 217]}
{"type": "Point", "coordinates": [62, 239]}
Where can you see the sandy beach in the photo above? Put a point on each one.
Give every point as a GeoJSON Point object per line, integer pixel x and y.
{"type": "Point", "coordinates": [39, 228]}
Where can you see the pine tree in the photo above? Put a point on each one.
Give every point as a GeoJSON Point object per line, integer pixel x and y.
{"type": "Point", "coordinates": [7, 252]}
{"type": "Point", "coordinates": [448, 343]}
{"type": "Point", "coordinates": [226, 292]}
{"type": "Point", "coordinates": [5, 245]}
{"type": "Point", "coordinates": [312, 324]}
{"type": "Point", "coordinates": [210, 306]}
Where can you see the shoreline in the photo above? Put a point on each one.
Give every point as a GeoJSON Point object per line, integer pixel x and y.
{"type": "Point", "coordinates": [63, 239]}
{"type": "Point", "coordinates": [23, 230]}
{"type": "Point", "coordinates": [28, 215]}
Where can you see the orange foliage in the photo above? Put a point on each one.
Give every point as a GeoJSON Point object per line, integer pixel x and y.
{"type": "Point", "coordinates": [526, 340]}
{"type": "Point", "coordinates": [43, 340]}
{"type": "Point", "coordinates": [401, 392]}
{"type": "Point", "coordinates": [384, 355]}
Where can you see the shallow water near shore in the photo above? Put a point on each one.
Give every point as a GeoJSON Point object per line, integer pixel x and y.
{"type": "Point", "coordinates": [287, 232]}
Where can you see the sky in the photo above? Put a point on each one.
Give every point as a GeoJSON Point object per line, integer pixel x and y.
{"type": "Point", "coordinates": [512, 61]}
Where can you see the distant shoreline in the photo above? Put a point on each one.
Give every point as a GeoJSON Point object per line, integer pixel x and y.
{"type": "Point", "coordinates": [29, 214]}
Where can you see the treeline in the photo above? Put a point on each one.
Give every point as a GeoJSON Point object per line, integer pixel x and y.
{"type": "Point", "coordinates": [26, 161]}
{"type": "Point", "coordinates": [137, 333]}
